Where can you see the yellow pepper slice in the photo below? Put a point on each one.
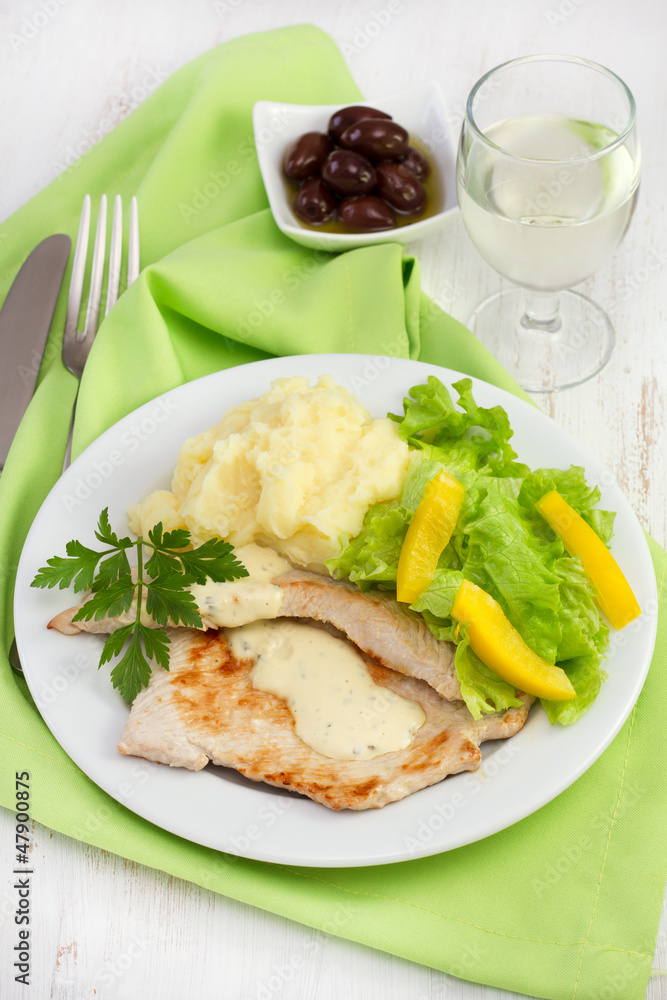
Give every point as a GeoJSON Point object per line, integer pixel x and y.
{"type": "Point", "coordinates": [615, 596]}
{"type": "Point", "coordinates": [500, 647]}
{"type": "Point", "coordinates": [428, 533]}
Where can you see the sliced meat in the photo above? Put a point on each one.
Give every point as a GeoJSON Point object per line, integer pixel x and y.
{"type": "Point", "coordinates": [63, 622]}
{"type": "Point", "coordinates": [205, 708]}
{"type": "Point", "coordinates": [377, 624]}
{"type": "Point", "coordinates": [387, 631]}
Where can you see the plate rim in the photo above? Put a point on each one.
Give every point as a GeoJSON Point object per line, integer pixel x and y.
{"type": "Point", "coordinates": [323, 361]}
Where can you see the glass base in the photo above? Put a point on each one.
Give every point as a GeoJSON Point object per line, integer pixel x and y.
{"type": "Point", "coordinates": [549, 352]}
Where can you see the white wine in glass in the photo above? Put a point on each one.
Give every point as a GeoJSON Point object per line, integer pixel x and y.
{"type": "Point", "coordinates": [547, 178]}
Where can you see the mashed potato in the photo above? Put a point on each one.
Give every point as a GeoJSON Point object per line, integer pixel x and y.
{"type": "Point", "coordinates": [294, 470]}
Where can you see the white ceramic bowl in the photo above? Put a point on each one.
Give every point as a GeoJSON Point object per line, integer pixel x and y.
{"type": "Point", "coordinates": [421, 110]}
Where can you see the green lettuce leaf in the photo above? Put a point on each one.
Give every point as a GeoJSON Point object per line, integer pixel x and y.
{"type": "Point", "coordinates": [501, 543]}
{"type": "Point", "coordinates": [586, 677]}
{"type": "Point", "coordinates": [429, 408]}
{"type": "Point", "coordinates": [572, 486]}
{"type": "Point", "coordinates": [506, 559]}
{"type": "Point", "coordinates": [583, 632]}
{"type": "Point", "coordinates": [431, 417]}
{"type": "Point", "coordinates": [372, 555]}
{"type": "Point", "coordinates": [482, 689]}
{"type": "Point", "coordinates": [438, 598]}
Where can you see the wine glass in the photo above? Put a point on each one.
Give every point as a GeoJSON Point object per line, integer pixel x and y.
{"type": "Point", "coordinates": [547, 177]}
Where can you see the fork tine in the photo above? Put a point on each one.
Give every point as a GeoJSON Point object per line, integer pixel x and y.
{"type": "Point", "coordinates": [92, 315]}
{"type": "Point", "coordinates": [78, 270]}
{"type": "Point", "coordinates": [133, 252]}
{"type": "Point", "coordinates": [115, 252]}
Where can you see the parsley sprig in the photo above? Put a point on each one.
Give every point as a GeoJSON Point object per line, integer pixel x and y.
{"type": "Point", "coordinates": [166, 568]}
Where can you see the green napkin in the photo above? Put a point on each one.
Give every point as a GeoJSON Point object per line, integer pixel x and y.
{"type": "Point", "coordinates": [564, 904]}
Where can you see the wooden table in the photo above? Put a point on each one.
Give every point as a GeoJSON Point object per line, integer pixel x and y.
{"type": "Point", "coordinates": [69, 72]}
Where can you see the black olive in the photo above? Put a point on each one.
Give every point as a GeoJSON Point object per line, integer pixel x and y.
{"type": "Point", "coordinates": [340, 120]}
{"type": "Point", "coordinates": [314, 202]}
{"type": "Point", "coordinates": [416, 163]}
{"type": "Point", "coordinates": [367, 214]}
{"type": "Point", "coordinates": [375, 138]}
{"type": "Point", "coordinates": [305, 157]}
{"type": "Point", "coordinates": [348, 173]}
{"type": "Point", "coordinates": [397, 185]}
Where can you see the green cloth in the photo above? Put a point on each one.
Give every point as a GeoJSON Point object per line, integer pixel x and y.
{"type": "Point", "coordinates": [564, 904]}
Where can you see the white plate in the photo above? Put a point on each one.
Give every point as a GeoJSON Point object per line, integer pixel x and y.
{"type": "Point", "coordinates": [421, 110]}
{"type": "Point", "coordinates": [218, 807]}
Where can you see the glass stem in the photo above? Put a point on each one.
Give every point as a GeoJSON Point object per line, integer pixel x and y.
{"type": "Point", "coordinates": [542, 311]}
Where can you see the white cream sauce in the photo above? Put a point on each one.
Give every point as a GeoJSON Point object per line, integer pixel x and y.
{"type": "Point", "coordinates": [338, 709]}
{"type": "Point", "coordinates": [247, 600]}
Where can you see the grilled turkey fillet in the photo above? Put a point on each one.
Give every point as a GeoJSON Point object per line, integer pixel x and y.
{"type": "Point", "coordinates": [382, 628]}
{"type": "Point", "coordinates": [206, 709]}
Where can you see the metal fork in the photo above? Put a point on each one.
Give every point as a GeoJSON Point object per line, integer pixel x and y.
{"type": "Point", "coordinates": [77, 344]}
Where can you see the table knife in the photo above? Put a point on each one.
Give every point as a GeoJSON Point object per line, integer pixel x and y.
{"type": "Point", "coordinates": [25, 320]}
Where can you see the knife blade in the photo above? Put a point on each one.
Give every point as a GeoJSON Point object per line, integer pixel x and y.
{"type": "Point", "coordinates": [25, 320]}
